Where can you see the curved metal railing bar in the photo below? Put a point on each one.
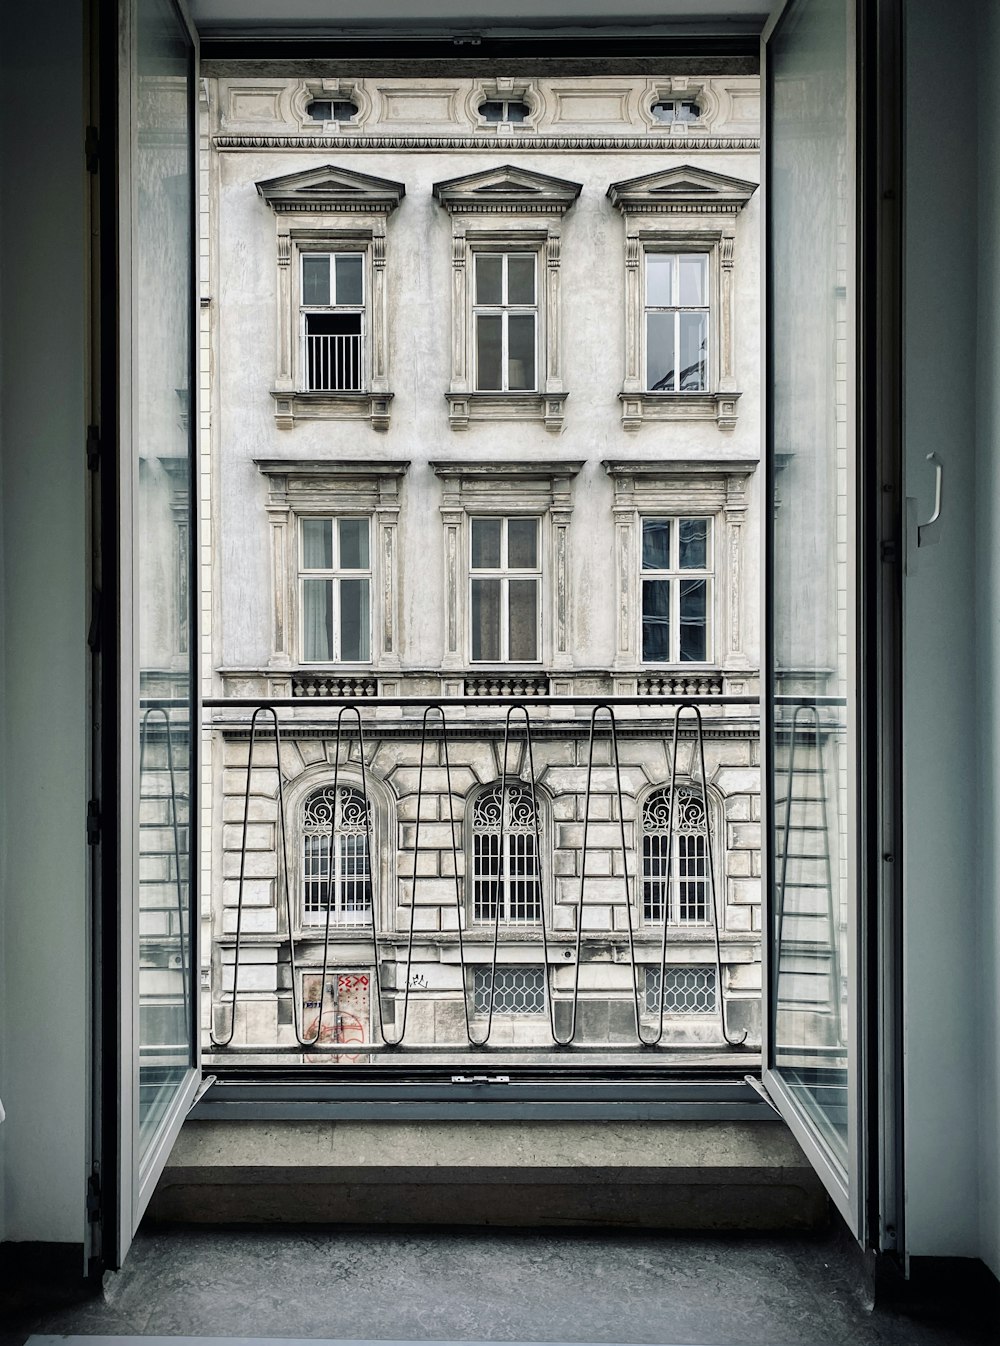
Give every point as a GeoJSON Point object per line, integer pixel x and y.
{"type": "Point", "coordinates": [671, 816]}
{"type": "Point", "coordinates": [179, 882]}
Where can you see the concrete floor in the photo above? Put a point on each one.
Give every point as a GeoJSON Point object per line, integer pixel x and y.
{"type": "Point", "coordinates": [482, 1285]}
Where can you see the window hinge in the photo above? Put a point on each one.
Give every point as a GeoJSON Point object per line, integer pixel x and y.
{"type": "Point", "coordinates": [92, 149]}
{"type": "Point", "coordinates": [93, 822]}
{"type": "Point", "coordinates": [94, 1198]}
{"type": "Point", "coordinates": [93, 448]}
{"type": "Point", "coordinates": [94, 629]}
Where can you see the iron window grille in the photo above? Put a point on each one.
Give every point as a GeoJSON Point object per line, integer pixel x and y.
{"type": "Point", "coordinates": [677, 572]}
{"type": "Point", "coordinates": [336, 883]}
{"type": "Point", "coordinates": [676, 321]}
{"type": "Point", "coordinates": [514, 990]}
{"type": "Point", "coordinates": [335, 578]}
{"type": "Point", "coordinates": [676, 887]}
{"type": "Point", "coordinates": [333, 321]}
{"type": "Point", "coordinates": [689, 989]}
{"type": "Point", "coordinates": [505, 321]}
{"type": "Point", "coordinates": [506, 881]}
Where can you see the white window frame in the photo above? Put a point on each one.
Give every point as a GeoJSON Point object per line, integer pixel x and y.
{"type": "Point", "coordinates": [677, 309]}
{"type": "Point", "coordinates": [514, 788]}
{"type": "Point", "coordinates": [339, 918]}
{"type": "Point", "coordinates": [504, 311]}
{"type": "Point", "coordinates": [674, 575]}
{"type": "Point", "coordinates": [505, 573]}
{"type": "Point", "coordinates": [334, 575]}
{"type": "Point", "coordinates": [364, 353]}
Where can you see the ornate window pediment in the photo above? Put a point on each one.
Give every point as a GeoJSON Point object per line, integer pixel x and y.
{"type": "Point", "coordinates": [331, 189]}
{"type": "Point", "coordinates": [508, 189]}
{"type": "Point", "coordinates": [681, 190]}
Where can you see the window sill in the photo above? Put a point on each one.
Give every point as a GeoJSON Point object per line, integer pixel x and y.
{"type": "Point", "coordinates": [638, 407]}
{"type": "Point", "coordinates": [291, 406]}
{"type": "Point", "coordinates": [548, 408]}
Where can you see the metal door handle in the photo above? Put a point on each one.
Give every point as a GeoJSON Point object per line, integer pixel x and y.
{"type": "Point", "coordinates": [924, 536]}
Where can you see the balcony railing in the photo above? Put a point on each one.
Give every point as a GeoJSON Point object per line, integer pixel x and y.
{"type": "Point", "coordinates": [379, 811]}
{"type": "Point", "coordinates": [334, 362]}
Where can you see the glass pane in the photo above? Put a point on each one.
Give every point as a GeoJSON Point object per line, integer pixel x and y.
{"type": "Point", "coordinates": [486, 544]}
{"type": "Point", "coordinates": [660, 352]}
{"type": "Point", "coordinates": [656, 544]}
{"type": "Point", "coordinates": [694, 620]}
{"type": "Point", "coordinates": [523, 600]}
{"type": "Point", "coordinates": [522, 544]}
{"type": "Point", "coordinates": [489, 336]}
{"type": "Point", "coordinates": [656, 620]}
{"type": "Point", "coordinates": [489, 279]}
{"type": "Point", "coordinates": [164, 543]}
{"type": "Point", "coordinates": [694, 279]}
{"type": "Point", "coordinates": [693, 544]}
{"type": "Point", "coordinates": [355, 621]}
{"type": "Point", "coordinates": [315, 278]}
{"type": "Point", "coordinates": [350, 279]}
{"type": "Point", "coordinates": [694, 352]}
{"type": "Point", "coordinates": [354, 544]}
{"type": "Point", "coordinates": [521, 279]}
{"type": "Point", "coordinates": [317, 620]}
{"type": "Point", "coordinates": [317, 544]}
{"type": "Point", "coordinates": [521, 351]}
{"type": "Point", "coordinates": [486, 620]}
{"type": "Point", "coordinates": [813, 685]}
{"type": "Point", "coordinates": [659, 279]}
{"type": "Point", "coordinates": [491, 111]}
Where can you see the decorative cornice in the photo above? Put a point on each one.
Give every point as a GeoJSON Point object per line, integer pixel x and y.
{"type": "Point", "coordinates": [489, 469]}
{"type": "Point", "coordinates": [683, 189]}
{"type": "Point", "coordinates": [750, 144]}
{"type": "Point", "coordinates": [680, 467]}
{"type": "Point", "coordinates": [507, 190]}
{"type": "Point", "coordinates": [330, 189]}
{"type": "Point", "coordinates": [326, 467]}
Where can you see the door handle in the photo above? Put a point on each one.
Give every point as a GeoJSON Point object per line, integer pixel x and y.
{"type": "Point", "coordinates": [927, 532]}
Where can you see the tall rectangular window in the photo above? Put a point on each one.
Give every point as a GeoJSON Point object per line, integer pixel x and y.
{"type": "Point", "coordinates": [505, 321]}
{"type": "Point", "coordinates": [676, 590]}
{"type": "Point", "coordinates": [333, 315]}
{"type": "Point", "coordinates": [335, 590]}
{"type": "Point", "coordinates": [676, 313]}
{"type": "Point", "coordinates": [505, 589]}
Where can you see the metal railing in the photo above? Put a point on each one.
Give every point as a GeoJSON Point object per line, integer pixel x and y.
{"type": "Point", "coordinates": [351, 728]}
{"type": "Point", "coordinates": [334, 362]}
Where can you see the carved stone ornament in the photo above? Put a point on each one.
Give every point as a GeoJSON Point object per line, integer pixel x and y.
{"type": "Point", "coordinates": [331, 190]}
{"type": "Point", "coordinates": [508, 190]}
{"type": "Point", "coordinates": [681, 191]}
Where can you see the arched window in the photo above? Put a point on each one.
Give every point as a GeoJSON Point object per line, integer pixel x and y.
{"type": "Point", "coordinates": [687, 901]}
{"type": "Point", "coordinates": [505, 860]}
{"type": "Point", "coordinates": [335, 861]}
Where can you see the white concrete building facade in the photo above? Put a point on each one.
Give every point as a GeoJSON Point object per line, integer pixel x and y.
{"type": "Point", "coordinates": [484, 421]}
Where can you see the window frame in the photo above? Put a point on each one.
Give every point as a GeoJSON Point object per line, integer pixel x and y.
{"type": "Point", "coordinates": [334, 575]}
{"type": "Point", "coordinates": [504, 310]}
{"type": "Point", "coordinates": [317, 921]}
{"type": "Point", "coordinates": [508, 927]}
{"type": "Point", "coordinates": [302, 251]}
{"type": "Point", "coordinates": [505, 573]}
{"type": "Point", "coordinates": [675, 575]}
{"type": "Point", "coordinates": [678, 309]}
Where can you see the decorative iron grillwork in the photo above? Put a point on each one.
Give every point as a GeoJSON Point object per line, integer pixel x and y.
{"type": "Point", "coordinates": [689, 990]}
{"type": "Point", "coordinates": [335, 868]}
{"type": "Point", "coordinates": [687, 900]}
{"type": "Point", "coordinates": [516, 990]}
{"type": "Point", "coordinates": [505, 871]}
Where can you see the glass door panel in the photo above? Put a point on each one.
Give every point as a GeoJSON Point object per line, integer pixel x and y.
{"type": "Point", "coordinates": [812, 688]}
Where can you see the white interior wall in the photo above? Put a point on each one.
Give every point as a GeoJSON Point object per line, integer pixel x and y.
{"type": "Point", "coordinates": [44, 1025]}
{"type": "Point", "coordinates": [988, 633]}
{"type": "Point", "coordinates": [942, 1053]}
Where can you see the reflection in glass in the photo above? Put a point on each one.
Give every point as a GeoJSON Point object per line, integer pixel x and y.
{"type": "Point", "coordinates": [694, 620]}
{"type": "Point", "coordinates": [521, 351]}
{"type": "Point", "coordinates": [486, 534]}
{"type": "Point", "coordinates": [350, 281]}
{"type": "Point", "coordinates": [814, 682]}
{"type": "Point", "coordinates": [316, 278]}
{"type": "Point", "coordinates": [353, 544]}
{"type": "Point", "coordinates": [520, 279]}
{"type": "Point", "coordinates": [523, 600]}
{"type": "Point", "coordinates": [161, 434]}
{"type": "Point", "coordinates": [694, 350]}
{"type": "Point", "coordinates": [489, 279]}
{"type": "Point", "coordinates": [486, 619]}
{"type": "Point", "coordinates": [692, 542]}
{"type": "Point", "coordinates": [693, 280]}
{"type": "Point", "coordinates": [522, 543]}
{"type": "Point", "coordinates": [656, 620]}
{"type": "Point", "coordinates": [489, 339]}
{"type": "Point", "coordinates": [660, 352]}
{"type": "Point", "coordinates": [659, 279]}
{"type": "Point", "coordinates": [656, 544]}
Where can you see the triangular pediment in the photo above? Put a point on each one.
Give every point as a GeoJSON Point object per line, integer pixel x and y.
{"type": "Point", "coordinates": [331, 189]}
{"type": "Point", "coordinates": [681, 189]}
{"type": "Point", "coordinates": [508, 188]}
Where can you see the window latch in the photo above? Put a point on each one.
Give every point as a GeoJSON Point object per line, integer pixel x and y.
{"type": "Point", "coordinates": [480, 1079]}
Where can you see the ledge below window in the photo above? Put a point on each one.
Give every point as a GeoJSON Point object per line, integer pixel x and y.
{"type": "Point", "coordinates": [546, 407]}
{"type": "Point", "coordinates": [290, 407]}
{"type": "Point", "coordinates": [639, 407]}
